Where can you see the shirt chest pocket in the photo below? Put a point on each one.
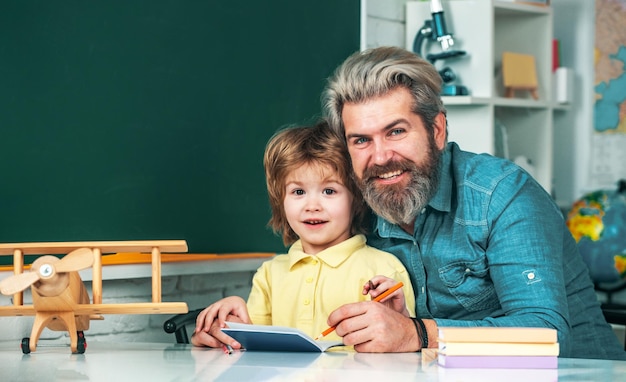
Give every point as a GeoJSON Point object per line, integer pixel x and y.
{"type": "Point", "coordinates": [470, 284]}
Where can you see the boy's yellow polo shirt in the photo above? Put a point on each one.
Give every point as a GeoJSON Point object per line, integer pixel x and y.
{"type": "Point", "coordinates": [300, 290]}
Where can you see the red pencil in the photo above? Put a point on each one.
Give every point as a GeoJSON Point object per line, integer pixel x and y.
{"type": "Point", "coordinates": [227, 349]}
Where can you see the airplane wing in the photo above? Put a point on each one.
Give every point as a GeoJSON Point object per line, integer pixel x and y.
{"type": "Point", "coordinates": [96, 310]}
{"type": "Point", "coordinates": [17, 310]}
{"type": "Point", "coordinates": [132, 308]}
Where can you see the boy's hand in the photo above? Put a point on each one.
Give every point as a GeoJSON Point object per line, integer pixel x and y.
{"type": "Point", "coordinates": [212, 319]}
{"type": "Point", "coordinates": [377, 285]}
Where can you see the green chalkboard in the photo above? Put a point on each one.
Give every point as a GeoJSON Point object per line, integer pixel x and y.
{"type": "Point", "coordinates": [139, 120]}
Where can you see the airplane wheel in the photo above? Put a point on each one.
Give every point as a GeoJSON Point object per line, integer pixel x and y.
{"type": "Point", "coordinates": [81, 345]}
{"type": "Point", "coordinates": [25, 345]}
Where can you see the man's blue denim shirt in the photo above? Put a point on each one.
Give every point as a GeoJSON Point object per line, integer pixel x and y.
{"type": "Point", "coordinates": [492, 249]}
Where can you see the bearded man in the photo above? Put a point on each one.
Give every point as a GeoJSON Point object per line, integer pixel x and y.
{"type": "Point", "coordinates": [484, 244]}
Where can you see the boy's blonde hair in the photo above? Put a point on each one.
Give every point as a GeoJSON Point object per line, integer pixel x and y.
{"type": "Point", "coordinates": [317, 145]}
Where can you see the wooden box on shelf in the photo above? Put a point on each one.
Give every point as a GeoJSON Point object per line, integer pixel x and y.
{"type": "Point", "coordinates": [519, 73]}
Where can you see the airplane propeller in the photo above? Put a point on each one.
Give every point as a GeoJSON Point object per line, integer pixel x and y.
{"type": "Point", "coordinates": [45, 268]}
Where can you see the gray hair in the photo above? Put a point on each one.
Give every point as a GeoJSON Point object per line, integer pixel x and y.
{"type": "Point", "coordinates": [375, 72]}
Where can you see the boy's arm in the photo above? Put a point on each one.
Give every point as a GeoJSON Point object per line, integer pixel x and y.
{"type": "Point", "coordinates": [212, 319]}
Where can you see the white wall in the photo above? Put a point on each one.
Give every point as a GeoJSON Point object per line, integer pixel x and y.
{"type": "Point", "coordinates": [382, 23]}
{"type": "Point", "coordinates": [574, 27]}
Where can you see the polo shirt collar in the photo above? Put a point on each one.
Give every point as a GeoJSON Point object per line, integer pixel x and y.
{"type": "Point", "coordinates": [332, 256]}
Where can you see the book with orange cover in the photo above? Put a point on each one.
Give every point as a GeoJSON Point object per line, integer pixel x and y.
{"type": "Point", "coordinates": [497, 334]}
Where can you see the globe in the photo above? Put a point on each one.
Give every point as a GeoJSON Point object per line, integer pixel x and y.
{"type": "Point", "coordinates": [598, 223]}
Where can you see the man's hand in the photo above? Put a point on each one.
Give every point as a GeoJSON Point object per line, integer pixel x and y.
{"type": "Point", "coordinates": [372, 327]}
{"type": "Point", "coordinates": [212, 319]}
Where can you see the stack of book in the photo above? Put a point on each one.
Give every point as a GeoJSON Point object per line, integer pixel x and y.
{"type": "Point", "coordinates": [498, 347]}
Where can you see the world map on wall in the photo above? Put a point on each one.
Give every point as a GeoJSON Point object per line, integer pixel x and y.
{"type": "Point", "coordinates": [610, 67]}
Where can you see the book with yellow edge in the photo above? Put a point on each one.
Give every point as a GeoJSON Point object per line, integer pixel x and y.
{"type": "Point", "coordinates": [498, 348]}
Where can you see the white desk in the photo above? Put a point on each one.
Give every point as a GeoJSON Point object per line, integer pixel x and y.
{"type": "Point", "coordinates": [164, 362]}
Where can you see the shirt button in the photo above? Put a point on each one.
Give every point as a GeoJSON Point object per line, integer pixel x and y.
{"type": "Point", "coordinates": [309, 280]}
{"type": "Point", "coordinates": [314, 262]}
{"type": "Point", "coordinates": [467, 270]}
{"type": "Point", "coordinates": [530, 276]}
{"type": "Point", "coordinates": [307, 301]}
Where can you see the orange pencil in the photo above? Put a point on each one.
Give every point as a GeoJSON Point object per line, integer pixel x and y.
{"type": "Point", "coordinates": [377, 299]}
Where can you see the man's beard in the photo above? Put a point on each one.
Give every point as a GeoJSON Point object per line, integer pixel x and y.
{"type": "Point", "coordinates": [400, 203]}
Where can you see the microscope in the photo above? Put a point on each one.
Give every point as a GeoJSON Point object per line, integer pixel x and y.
{"type": "Point", "coordinates": [435, 30]}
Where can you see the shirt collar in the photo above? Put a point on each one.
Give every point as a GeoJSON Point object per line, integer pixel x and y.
{"type": "Point", "coordinates": [441, 201]}
{"type": "Point", "coordinates": [332, 256]}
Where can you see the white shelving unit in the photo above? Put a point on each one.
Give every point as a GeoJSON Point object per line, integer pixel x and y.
{"type": "Point", "coordinates": [485, 29]}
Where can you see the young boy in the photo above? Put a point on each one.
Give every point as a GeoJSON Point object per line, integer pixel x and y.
{"type": "Point", "coordinates": [318, 209]}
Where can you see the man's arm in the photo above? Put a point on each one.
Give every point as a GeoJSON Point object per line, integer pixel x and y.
{"type": "Point", "coordinates": [519, 277]}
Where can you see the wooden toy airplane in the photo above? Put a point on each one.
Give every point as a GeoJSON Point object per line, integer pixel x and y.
{"type": "Point", "coordinates": [60, 300]}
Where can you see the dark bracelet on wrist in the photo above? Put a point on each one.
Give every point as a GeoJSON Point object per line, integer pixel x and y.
{"type": "Point", "coordinates": [422, 334]}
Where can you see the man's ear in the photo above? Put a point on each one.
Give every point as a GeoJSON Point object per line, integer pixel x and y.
{"type": "Point", "coordinates": [440, 131]}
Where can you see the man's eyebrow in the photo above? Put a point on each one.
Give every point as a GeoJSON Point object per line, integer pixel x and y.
{"type": "Point", "coordinates": [356, 136]}
{"type": "Point", "coordinates": [391, 125]}
{"type": "Point", "coordinates": [394, 123]}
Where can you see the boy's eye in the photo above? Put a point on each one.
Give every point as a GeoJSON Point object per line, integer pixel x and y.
{"type": "Point", "coordinates": [329, 191]}
{"type": "Point", "coordinates": [298, 191]}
